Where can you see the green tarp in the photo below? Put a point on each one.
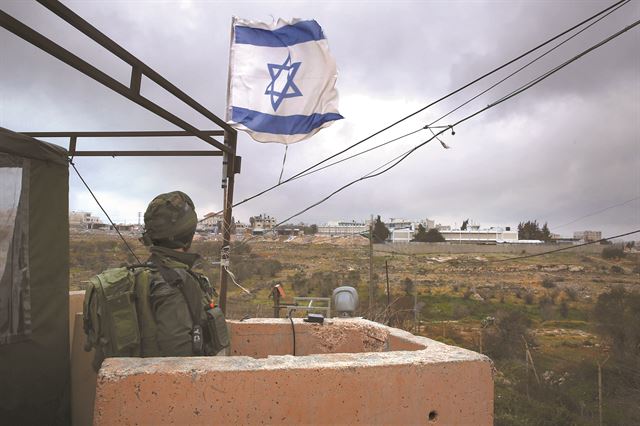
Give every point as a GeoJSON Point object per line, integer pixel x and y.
{"type": "Point", "coordinates": [34, 282]}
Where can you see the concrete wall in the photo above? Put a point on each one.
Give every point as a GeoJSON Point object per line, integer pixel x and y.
{"type": "Point", "coordinates": [353, 371]}
{"type": "Point", "coordinates": [455, 248]}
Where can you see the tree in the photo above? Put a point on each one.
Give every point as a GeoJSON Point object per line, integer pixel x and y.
{"type": "Point", "coordinates": [310, 230]}
{"type": "Point", "coordinates": [408, 286]}
{"type": "Point", "coordinates": [617, 314]}
{"type": "Point", "coordinates": [530, 230]}
{"type": "Point", "coordinates": [434, 236]}
{"type": "Point", "coordinates": [464, 225]}
{"type": "Point", "coordinates": [504, 338]}
{"type": "Point", "coordinates": [380, 231]}
{"type": "Point", "coordinates": [421, 235]}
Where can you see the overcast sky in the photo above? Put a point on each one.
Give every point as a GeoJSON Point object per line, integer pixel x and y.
{"type": "Point", "coordinates": [562, 150]}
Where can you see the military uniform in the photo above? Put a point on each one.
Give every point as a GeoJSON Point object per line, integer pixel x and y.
{"type": "Point", "coordinates": [161, 307]}
{"type": "Point", "coordinates": [167, 301]}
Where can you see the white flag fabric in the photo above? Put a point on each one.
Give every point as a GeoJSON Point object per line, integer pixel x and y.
{"type": "Point", "coordinates": [281, 80]}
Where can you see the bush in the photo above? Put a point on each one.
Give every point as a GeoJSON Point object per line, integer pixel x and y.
{"type": "Point", "coordinates": [613, 252]}
{"type": "Point", "coordinates": [408, 286]}
{"type": "Point", "coordinates": [528, 298]}
{"type": "Point", "coordinates": [617, 269]}
{"type": "Point", "coordinates": [571, 293]}
{"type": "Point", "coordinates": [564, 309]}
{"type": "Point", "coordinates": [547, 282]}
{"type": "Point", "coordinates": [504, 338]}
{"type": "Point", "coordinates": [617, 314]}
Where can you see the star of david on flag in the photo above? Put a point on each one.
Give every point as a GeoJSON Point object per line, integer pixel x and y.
{"type": "Point", "coordinates": [281, 80]}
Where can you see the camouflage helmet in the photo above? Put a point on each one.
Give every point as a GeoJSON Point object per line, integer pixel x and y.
{"type": "Point", "coordinates": [170, 221]}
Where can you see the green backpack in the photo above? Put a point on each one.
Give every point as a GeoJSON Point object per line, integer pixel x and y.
{"type": "Point", "coordinates": [119, 321]}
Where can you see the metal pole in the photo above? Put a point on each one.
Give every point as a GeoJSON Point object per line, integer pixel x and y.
{"type": "Point", "coordinates": [230, 140]}
{"type": "Point", "coordinates": [386, 269]}
{"type": "Point", "coordinates": [371, 267]}
{"type": "Point", "coordinates": [600, 390]}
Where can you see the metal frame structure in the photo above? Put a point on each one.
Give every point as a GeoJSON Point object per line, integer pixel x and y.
{"type": "Point", "coordinates": [225, 149]}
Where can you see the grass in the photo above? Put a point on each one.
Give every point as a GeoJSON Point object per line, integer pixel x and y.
{"type": "Point", "coordinates": [450, 313]}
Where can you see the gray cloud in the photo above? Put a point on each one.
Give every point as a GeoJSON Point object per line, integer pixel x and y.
{"type": "Point", "coordinates": [559, 151]}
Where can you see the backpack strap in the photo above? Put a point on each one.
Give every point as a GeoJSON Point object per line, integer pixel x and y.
{"type": "Point", "coordinates": [192, 296]}
{"type": "Point", "coordinates": [148, 328]}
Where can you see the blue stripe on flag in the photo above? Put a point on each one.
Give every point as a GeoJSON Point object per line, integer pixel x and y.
{"type": "Point", "coordinates": [283, 125]}
{"type": "Point", "coordinates": [288, 35]}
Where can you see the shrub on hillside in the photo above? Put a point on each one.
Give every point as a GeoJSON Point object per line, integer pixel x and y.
{"type": "Point", "coordinates": [613, 252]}
{"type": "Point", "coordinates": [504, 338]}
{"type": "Point", "coordinates": [617, 314]}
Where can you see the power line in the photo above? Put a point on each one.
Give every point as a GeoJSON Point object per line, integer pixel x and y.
{"type": "Point", "coordinates": [104, 211]}
{"type": "Point", "coordinates": [358, 154]}
{"type": "Point", "coordinates": [597, 212]}
{"type": "Point", "coordinates": [512, 94]}
{"type": "Point", "coordinates": [530, 62]}
{"type": "Point", "coordinates": [564, 248]}
{"type": "Point", "coordinates": [431, 104]}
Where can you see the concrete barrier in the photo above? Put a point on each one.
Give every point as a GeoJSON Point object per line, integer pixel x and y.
{"type": "Point", "coordinates": [351, 371]}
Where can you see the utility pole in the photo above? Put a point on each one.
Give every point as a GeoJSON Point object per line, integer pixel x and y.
{"type": "Point", "coordinates": [526, 360]}
{"type": "Point", "coordinates": [600, 389]}
{"type": "Point", "coordinates": [415, 308]}
{"type": "Point", "coordinates": [371, 267]}
{"type": "Point", "coordinates": [386, 269]}
{"type": "Point", "coordinates": [229, 170]}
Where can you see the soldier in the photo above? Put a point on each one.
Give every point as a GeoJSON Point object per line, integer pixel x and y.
{"type": "Point", "coordinates": [170, 224]}
{"type": "Point", "coordinates": [173, 311]}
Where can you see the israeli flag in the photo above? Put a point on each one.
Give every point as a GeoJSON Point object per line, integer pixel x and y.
{"type": "Point", "coordinates": [281, 80]}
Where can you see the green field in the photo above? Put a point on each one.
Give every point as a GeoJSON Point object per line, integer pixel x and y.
{"type": "Point", "coordinates": [469, 300]}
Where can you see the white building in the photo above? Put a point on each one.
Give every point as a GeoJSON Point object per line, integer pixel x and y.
{"type": "Point", "coordinates": [473, 234]}
{"type": "Point", "coordinates": [83, 220]}
{"type": "Point", "coordinates": [334, 228]}
{"type": "Point", "coordinates": [401, 235]}
{"type": "Point", "coordinates": [588, 236]}
{"type": "Point", "coordinates": [211, 222]}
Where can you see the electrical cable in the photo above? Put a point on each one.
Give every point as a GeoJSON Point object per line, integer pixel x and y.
{"type": "Point", "coordinates": [597, 212]}
{"type": "Point", "coordinates": [357, 154]}
{"type": "Point", "coordinates": [432, 103]}
{"type": "Point", "coordinates": [530, 63]}
{"type": "Point", "coordinates": [510, 95]}
{"type": "Point", "coordinates": [104, 211]}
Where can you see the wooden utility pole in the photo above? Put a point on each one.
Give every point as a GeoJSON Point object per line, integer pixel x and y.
{"type": "Point", "coordinates": [229, 167]}
{"type": "Point", "coordinates": [600, 389]}
{"type": "Point", "coordinates": [415, 308]}
{"type": "Point", "coordinates": [371, 267]}
{"type": "Point", "coordinates": [526, 360]}
{"type": "Point", "coordinates": [386, 269]}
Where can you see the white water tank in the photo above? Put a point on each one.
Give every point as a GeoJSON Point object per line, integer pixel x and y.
{"type": "Point", "coordinates": [345, 301]}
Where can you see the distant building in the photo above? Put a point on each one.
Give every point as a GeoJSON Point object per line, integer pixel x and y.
{"type": "Point", "coordinates": [476, 235]}
{"type": "Point", "coordinates": [212, 222]}
{"type": "Point", "coordinates": [290, 230]}
{"type": "Point", "coordinates": [401, 235]}
{"type": "Point", "coordinates": [241, 229]}
{"type": "Point", "coordinates": [399, 224]}
{"type": "Point", "coordinates": [588, 236]}
{"type": "Point", "coordinates": [84, 220]}
{"type": "Point", "coordinates": [262, 223]}
{"type": "Point", "coordinates": [335, 228]}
